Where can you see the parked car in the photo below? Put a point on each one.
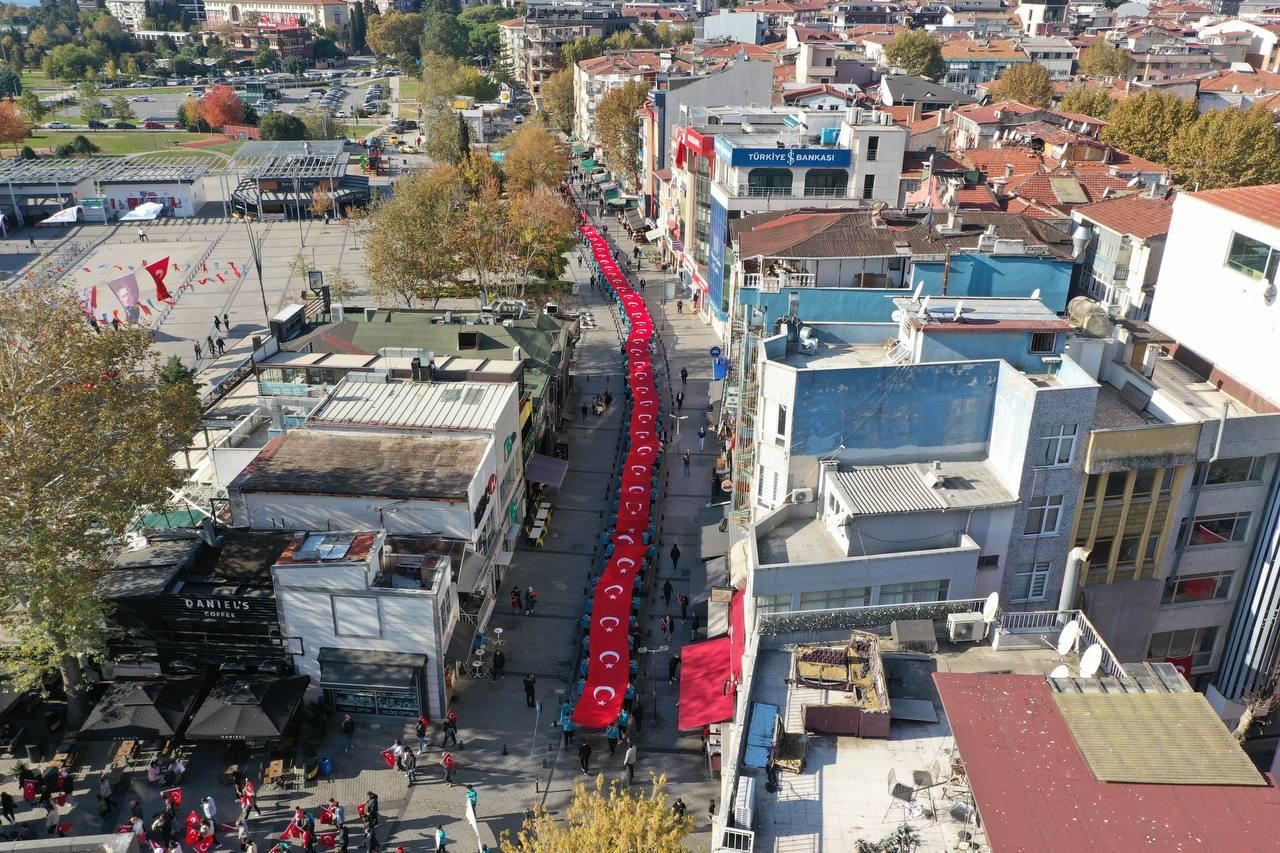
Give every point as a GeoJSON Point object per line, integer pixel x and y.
{"type": "Point", "coordinates": [57, 125]}
{"type": "Point", "coordinates": [124, 125]}
{"type": "Point", "coordinates": [153, 125]}
{"type": "Point", "coordinates": [141, 99]}
{"type": "Point", "coordinates": [94, 124]}
{"type": "Point", "coordinates": [341, 114]}
{"type": "Point", "coordinates": [408, 149]}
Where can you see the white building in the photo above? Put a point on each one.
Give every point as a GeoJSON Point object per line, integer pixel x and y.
{"type": "Point", "coordinates": [333, 14]}
{"type": "Point", "coordinates": [369, 617]}
{"type": "Point", "coordinates": [1125, 243]}
{"type": "Point", "coordinates": [1056, 54]}
{"type": "Point", "coordinates": [594, 78]}
{"type": "Point", "coordinates": [131, 13]}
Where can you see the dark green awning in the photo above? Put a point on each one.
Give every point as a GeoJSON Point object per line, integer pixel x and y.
{"type": "Point", "coordinates": [587, 165]}
{"type": "Point", "coordinates": [618, 202]}
{"type": "Point", "coordinates": [579, 150]}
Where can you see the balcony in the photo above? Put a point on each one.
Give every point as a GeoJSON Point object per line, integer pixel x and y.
{"type": "Point", "coordinates": [748, 191]}
{"type": "Point", "coordinates": [775, 283]}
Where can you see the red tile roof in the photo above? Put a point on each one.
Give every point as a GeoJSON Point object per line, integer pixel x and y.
{"type": "Point", "coordinates": [1248, 81]}
{"type": "Point", "coordinates": [1141, 216]}
{"type": "Point", "coordinates": [986, 114]}
{"type": "Point", "coordinates": [1039, 187]}
{"type": "Point", "coordinates": [1261, 204]}
{"type": "Point", "coordinates": [810, 35]}
{"type": "Point", "coordinates": [1035, 790]}
{"type": "Point", "coordinates": [993, 161]}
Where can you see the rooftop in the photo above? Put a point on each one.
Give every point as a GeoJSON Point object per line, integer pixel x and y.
{"type": "Point", "coordinates": [1141, 216]}
{"type": "Point", "coordinates": [978, 50]}
{"type": "Point", "coordinates": [981, 314]}
{"type": "Point", "coordinates": [798, 539]}
{"type": "Point", "coordinates": [905, 87]}
{"type": "Point", "coordinates": [329, 547]}
{"type": "Point", "coordinates": [473, 406]}
{"type": "Point", "coordinates": [358, 465]}
{"type": "Point", "coordinates": [1261, 204]}
{"type": "Point", "coordinates": [891, 489]}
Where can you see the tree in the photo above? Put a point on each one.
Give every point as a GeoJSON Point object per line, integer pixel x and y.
{"type": "Point", "coordinates": [13, 128]}
{"type": "Point", "coordinates": [1089, 102]}
{"type": "Point", "coordinates": [10, 83]}
{"type": "Point", "coordinates": [321, 204]}
{"type": "Point", "coordinates": [357, 29]}
{"type": "Point", "coordinates": [916, 52]}
{"type": "Point", "coordinates": [1144, 123]}
{"type": "Point", "coordinates": [1027, 83]}
{"type": "Point", "coordinates": [484, 235]}
{"type": "Point", "coordinates": [32, 109]}
{"type": "Point", "coordinates": [78, 147]}
{"type": "Point", "coordinates": [543, 230]}
{"type": "Point", "coordinates": [90, 105]}
{"type": "Point", "coordinates": [606, 817]}
{"type": "Point", "coordinates": [585, 47]}
{"type": "Point", "coordinates": [1103, 59]}
{"type": "Point", "coordinates": [221, 106]}
{"type": "Point", "coordinates": [534, 158]}
{"type": "Point", "coordinates": [282, 126]}
{"type": "Point", "coordinates": [464, 137]}
{"type": "Point", "coordinates": [264, 58]}
{"type": "Point", "coordinates": [175, 373]}
{"type": "Point", "coordinates": [443, 143]}
{"type": "Point", "coordinates": [445, 77]}
{"type": "Point", "coordinates": [121, 110]}
{"type": "Point", "coordinates": [1227, 148]}
{"type": "Point", "coordinates": [87, 443]}
{"type": "Point", "coordinates": [618, 129]}
{"type": "Point", "coordinates": [395, 34]}
{"type": "Point", "coordinates": [342, 287]}
{"type": "Point", "coordinates": [442, 34]}
{"type": "Point", "coordinates": [410, 236]}
{"type": "Point", "coordinates": [557, 99]}
{"type": "Point", "coordinates": [70, 62]}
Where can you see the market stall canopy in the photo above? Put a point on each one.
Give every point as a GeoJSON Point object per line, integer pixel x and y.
{"type": "Point", "coordinates": [547, 470]}
{"type": "Point", "coordinates": [654, 235]}
{"type": "Point", "coordinates": [143, 212]}
{"type": "Point", "coordinates": [587, 165]}
{"type": "Point", "coordinates": [635, 220]}
{"type": "Point", "coordinates": [241, 708]}
{"type": "Point", "coordinates": [66, 216]}
{"type": "Point", "coordinates": [143, 709]}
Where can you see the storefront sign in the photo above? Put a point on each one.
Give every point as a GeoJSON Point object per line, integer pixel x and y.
{"type": "Point", "coordinates": [218, 608]}
{"type": "Point", "coordinates": [383, 704]}
{"type": "Point", "coordinates": [801, 158]}
{"type": "Point", "coordinates": [703, 146]}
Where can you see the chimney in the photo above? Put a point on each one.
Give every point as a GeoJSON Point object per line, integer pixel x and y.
{"type": "Point", "coordinates": [1008, 171]}
{"type": "Point", "coordinates": [415, 369]}
{"type": "Point", "coordinates": [916, 109]}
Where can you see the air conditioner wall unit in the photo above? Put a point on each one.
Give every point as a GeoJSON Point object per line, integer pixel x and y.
{"type": "Point", "coordinates": [803, 496]}
{"type": "Point", "coordinates": [966, 627]}
{"type": "Point", "coordinates": [744, 803]}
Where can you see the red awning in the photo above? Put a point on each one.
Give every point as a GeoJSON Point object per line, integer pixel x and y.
{"type": "Point", "coordinates": [704, 672]}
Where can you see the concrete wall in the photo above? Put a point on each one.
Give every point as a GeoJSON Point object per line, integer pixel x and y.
{"type": "Point", "coordinates": [747, 27]}
{"type": "Point", "coordinates": [1013, 347]}
{"type": "Point", "coordinates": [1215, 310]}
{"type": "Point", "coordinates": [974, 274]}
{"type": "Point", "coordinates": [265, 510]}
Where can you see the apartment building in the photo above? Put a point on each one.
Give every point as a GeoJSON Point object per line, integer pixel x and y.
{"type": "Point", "coordinates": [594, 78]}
{"type": "Point", "coordinates": [332, 14]}
{"type": "Point", "coordinates": [549, 26]}
{"type": "Point", "coordinates": [1123, 243]}
{"type": "Point", "coordinates": [511, 42]}
{"type": "Point", "coordinates": [972, 62]}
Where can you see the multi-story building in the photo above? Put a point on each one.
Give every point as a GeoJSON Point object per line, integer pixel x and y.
{"type": "Point", "coordinates": [904, 90]}
{"type": "Point", "coordinates": [1123, 242]}
{"type": "Point", "coordinates": [512, 46]}
{"type": "Point", "coordinates": [331, 14]}
{"type": "Point", "coordinates": [288, 42]}
{"type": "Point", "coordinates": [1055, 53]}
{"type": "Point", "coordinates": [972, 62]}
{"type": "Point", "coordinates": [1042, 17]}
{"type": "Point", "coordinates": [549, 26]}
{"type": "Point", "coordinates": [1171, 62]}
{"type": "Point", "coordinates": [131, 13]}
{"type": "Point", "coordinates": [594, 78]}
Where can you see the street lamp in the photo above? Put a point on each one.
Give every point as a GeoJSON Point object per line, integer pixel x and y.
{"type": "Point", "coordinates": [678, 419]}
{"type": "Point", "coordinates": [257, 263]}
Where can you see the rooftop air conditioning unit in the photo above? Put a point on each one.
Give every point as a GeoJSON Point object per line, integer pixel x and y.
{"type": "Point", "coordinates": [744, 803]}
{"type": "Point", "coordinates": [966, 627]}
{"type": "Point", "coordinates": [802, 496]}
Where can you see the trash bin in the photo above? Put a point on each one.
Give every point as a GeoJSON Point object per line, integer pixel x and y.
{"type": "Point", "coordinates": [326, 767]}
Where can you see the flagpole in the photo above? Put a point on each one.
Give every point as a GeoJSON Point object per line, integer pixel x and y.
{"type": "Point", "coordinates": [257, 263]}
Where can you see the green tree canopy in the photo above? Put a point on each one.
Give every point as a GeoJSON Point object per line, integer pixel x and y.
{"type": "Point", "coordinates": [408, 229]}
{"type": "Point", "coordinates": [1144, 123]}
{"type": "Point", "coordinates": [282, 126]}
{"type": "Point", "coordinates": [442, 142]}
{"type": "Point", "coordinates": [557, 99]}
{"type": "Point", "coordinates": [442, 34]}
{"type": "Point", "coordinates": [1089, 102]}
{"type": "Point", "coordinates": [1227, 148]}
{"type": "Point", "coordinates": [586, 47]}
{"type": "Point", "coordinates": [1103, 59]}
{"type": "Point", "coordinates": [618, 129]}
{"type": "Point", "coordinates": [916, 52]}
{"type": "Point", "coordinates": [10, 82]}
{"type": "Point", "coordinates": [1027, 83]}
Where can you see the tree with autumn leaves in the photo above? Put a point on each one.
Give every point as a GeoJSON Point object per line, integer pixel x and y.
{"type": "Point", "coordinates": [13, 127]}
{"type": "Point", "coordinates": [606, 817]}
{"type": "Point", "coordinates": [220, 107]}
{"type": "Point", "coordinates": [618, 129]}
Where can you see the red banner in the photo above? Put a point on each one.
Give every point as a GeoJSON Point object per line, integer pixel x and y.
{"type": "Point", "coordinates": [158, 271]}
{"type": "Point", "coordinates": [609, 661]}
{"type": "Point", "coordinates": [1182, 665]}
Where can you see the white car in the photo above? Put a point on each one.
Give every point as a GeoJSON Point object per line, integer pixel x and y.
{"type": "Point", "coordinates": [57, 125]}
{"type": "Point", "coordinates": [141, 99]}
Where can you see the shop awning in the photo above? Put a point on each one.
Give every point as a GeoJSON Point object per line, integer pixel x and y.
{"type": "Point", "coordinates": [142, 710]}
{"type": "Point", "coordinates": [618, 202]}
{"type": "Point", "coordinates": [600, 178]}
{"type": "Point", "coordinates": [654, 235]}
{"type": "Point", "coordinates": [579, 150]}
{"type": "Point", "coordinates": [365, 669]}
{"type": "Point", "coordinates": [143, 212]}
{"type": "Point", "coordinates": [547, 470]}
{"type": "Point", "coordinates": [609, 187]}
{"type": "Point", "coordinates": [588, 165]}
{"type": "Point", "coordinates": [706, 689]}
{"type": "Point", "coordinates": [248, 708]}
{"type": "Point", "coordinates": [635, 220]}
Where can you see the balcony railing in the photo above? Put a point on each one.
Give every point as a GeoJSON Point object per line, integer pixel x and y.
{"type": "Point", "coordinates": [774, 283]}
{"type": "Point", "coordinates": [749, 191]}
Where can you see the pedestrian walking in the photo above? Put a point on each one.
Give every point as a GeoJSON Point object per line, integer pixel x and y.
{"type": "Point", "coordinates": [686, 459]}
{"type": "Point", "coordinates": [410, 765]}
{"type": "Point", "coordinates": [612, 735]}
{"type": "Point", "coordinates": [530, 594]}
{"type": "Point", "coordinates": [248, 800]}
{"type": "Point", "coordinates": [209, 807]}
{"type": "Point", "coordinates": [702, 433]}
{"type": "Point", "coordinates": [711, 810]}
{"type": "Point", "coordinates": [667, 588]}
{"type": "Point", "coordinates": [208, 339]}
{"type": "Point", "coordinates": [420, 730]}
{"type": "Point", "coordinates": [142, 235]}
{"type": "Point", "coordinates": [217, 322]}
{"type": "Point", "coordinates": [226, 321]}
{"type": "Point", "coordinates": [348, 731]}
{"type": "Point", "coordinates": [678, 808]}
{"type": "Point", "coordinates": [567, 728]}
{"type": "Point", "coordinates": [529, 682]}
{"type": "Point", "coordinates": [517, 603]}
{"type": "Point", "coordinates": [584, 756]}
{"type": "Point", "coordinates": [584, 411]}
{"type": "Point", "coordinates": [672, 666]}
{"type": "Point", "coordinates": [668, 626]}
{"type": "Point", "coordinates": [675, 560]}
{"type": "Point", "coordinates": [679, 306]}
{"type": "Point", "coordinates": [473, 798]}
{"type": "Point", "coordinates": [679, 400]}
{"type": "Point", "coordinates": [624, 720]}
{"type": "Point", "coordinates": [442, 839]}
{"type": "Point", "coordinates": [629, 762]}
{"type": "Point", "coordinates": [684, 376]}
{"type": "Point", "coordinates": [684, 606]}
{"type": "Point", "coordinates": [371, 809]}
{"type": "Point", "coordinates": [370, 840]}
{"type": "Point", "coordinates": [31, 241]}
{"type": "Point", "coordinates": [499, 664]}
{"type": "Point", "coordinates": [449, 765]}
{"type": "Point", "coordinates": [196, 346]}
{"type": "Point", "coordinates": [693, 626]}
{"type": "Point", "coordinates": [338, 813]}
{"type": "Point", "coordinates": [637, 712]}
{"type": "Point", "coordinates": [222, 348]}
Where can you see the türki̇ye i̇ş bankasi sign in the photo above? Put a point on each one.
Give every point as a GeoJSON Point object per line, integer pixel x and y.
{"type": "Point", "coordinates": [788, 157]}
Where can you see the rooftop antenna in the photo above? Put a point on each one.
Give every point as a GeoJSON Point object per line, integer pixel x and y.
{"type": "Point", "coordinates": [1060, 671]}
{"type": "Point", "coordinates": [991, 608]}
{"type": "Point", "coordinates": [1090, 661]}
{"type": "Point", "coordinates": [1067, 639]}
{"type": "Point", "coordinates": [915, 297]}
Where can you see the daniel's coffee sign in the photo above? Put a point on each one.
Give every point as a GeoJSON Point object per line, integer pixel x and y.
{"type": "Point", "coordinates": [219, 608]}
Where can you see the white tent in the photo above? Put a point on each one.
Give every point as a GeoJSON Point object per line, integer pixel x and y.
{"type": "Point", "coordinates": [66, 216]}
{"type": "Point", "coordinates": [146, 211]}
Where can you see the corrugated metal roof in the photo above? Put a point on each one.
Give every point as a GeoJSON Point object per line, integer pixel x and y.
{"type": "Point", "coordinates": [1155, 739]}
{"type": "Point", "coordinates": [416, 405]}
{"type": "Point", "coordinates": [887, 489]}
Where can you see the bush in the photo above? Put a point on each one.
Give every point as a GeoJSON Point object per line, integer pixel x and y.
{"type": "Point", "coordinates": [27, 153]}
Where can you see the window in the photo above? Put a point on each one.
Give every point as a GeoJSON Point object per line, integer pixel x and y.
{"type": "Point", "coordinates": [1116, 481]}
{"type": "Point", "coordinates": [1215, 529]}
{"type": "Point", "coordinates": [773, 603]}
{"type": "Point", "coordinates": [356, 616]}
{"type": "Point", "coordinates": [869, 187]}
{"type": "Point", "coordinates": [834, 599]}
{"type": "Point", "coordinates": [1245, 469]}
{"type": "Point", "coordinates": [782, 423]}
{"type": "Point", "coordinates": [989, 561]}
{"type": "Point", "coordinates": [873, 147]}
{"type": "Point", "coordinates": [826, 182]}
{"type": "Point", "coordinates": [1252, 257]}
{"type": "Point", "coordinates": [1042, 515]}
{"type": "Point", "coordinates": [1056, 445]}
{"type": "Point", "coordinates": [906, 593]}
{"type": "Point", "coordinates": [763, 182]}
{"type": "Point", "coordinates": [1044, 342]}
{"type": "Point", "coordinates": [1186, 589]}
{"type": "Point", "coordinates": [1196, 642]}
{"type": "Point", "coordinates": [1029, 582]}
{"type": "Point", "coordinates": [1143, 482]}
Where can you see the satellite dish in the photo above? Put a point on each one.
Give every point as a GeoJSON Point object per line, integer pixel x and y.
{"type": "Point", "coordinates": [1067, 639]}
{"type": "Point", "coordinates": [1035, 294]}
{"type": "Point", "coordinates": [915, 297]}
{"type": "Point", "coordinates": [991, 608]}
{"type": "Point", "coordinates": [1060, 671]}
{"type": "Point", "coordinates": [1090, 661]}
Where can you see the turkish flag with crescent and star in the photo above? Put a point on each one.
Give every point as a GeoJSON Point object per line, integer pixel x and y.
{"type": "Point", "coordinates": [158, 271]}
{"type": "Point", "coordinates": [610, 657]}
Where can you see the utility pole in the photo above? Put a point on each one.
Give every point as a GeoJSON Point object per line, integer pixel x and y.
{"type": "Point", "coordinates": [257, 263]}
